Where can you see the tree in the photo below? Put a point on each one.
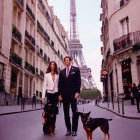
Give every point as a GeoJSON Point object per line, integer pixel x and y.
{"type": "Point", "coordinates": [90, 94]}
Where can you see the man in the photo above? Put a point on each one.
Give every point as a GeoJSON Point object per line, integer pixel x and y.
{"type": "Point", "coordinates": [34, 101]}
{"type": "Point", "coordinates": [69, 90]}
{"type": "Point", "coordinates": [127, 94]}
{"type": "Point", "coordinates": [135, 94]}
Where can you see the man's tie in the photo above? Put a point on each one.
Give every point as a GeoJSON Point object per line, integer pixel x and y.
{"type": "Point", "coordinates": [67, 71]}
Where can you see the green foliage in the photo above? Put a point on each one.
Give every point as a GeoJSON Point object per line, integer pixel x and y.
{"type": "Point", "coordinates": [90, 94]}
{"type": "Point", "coordinates": [136, 46]}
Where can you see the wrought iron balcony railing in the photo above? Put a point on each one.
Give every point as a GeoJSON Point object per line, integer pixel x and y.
{"type": "Point", "coordinates": [136, 40]}
{"type": "Point", "coordinates": [39, 26]}
{"type": "Point", "coordinates": [45, 57]}
{"type": "Point", "coordinates": [16, 34]}
{"type": "Point", "coordinates": [29, 67]}
{"type": "Point", "coordinates": [30, 38]}
{"type": "Point", "coordinates": [41, 52]}
{"type": "Point", "coordinates": [136, 37]}
{"type": "Point", "coordinates": [46, 13]}
{"type": "Point", "coordinates": [30, 12]}
{"type": "Point", "coordinates": [122, 42]}
{"type": "Point", "coordinates": [52, 44]}
{"type": "Point", "coordinates": [43, 32]}
{"type": "Point", "coordinates": [126, 41]}
{"type": "Point", "coordinates": [21, 2]}
{"type": "Point", "coordinates": [14, 58]}
{"type": "Point", "coordinates": [41, 73]}
{"type": "Point", "coordinates": [36, 70]}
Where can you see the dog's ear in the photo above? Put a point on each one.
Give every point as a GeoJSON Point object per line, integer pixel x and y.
{"type": "Point", "coordinates": [79, 113]}
{"type": "Point", "coordinates": [88, 113]}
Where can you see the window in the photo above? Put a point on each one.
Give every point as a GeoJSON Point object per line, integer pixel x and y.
{"type": "Point", "coordinates": [19, 20]}
{"type": "Point", "coordinates": [26, 54]}
{"type": "Point", "coordinates": [125, 26]}
{"type": "Point", "coordinates": [27, 23]}
{"type": "Point", "coordinates": [31, 30]}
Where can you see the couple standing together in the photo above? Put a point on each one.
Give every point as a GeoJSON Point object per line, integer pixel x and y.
{"type": "Point", "coordinates": [64, 86]}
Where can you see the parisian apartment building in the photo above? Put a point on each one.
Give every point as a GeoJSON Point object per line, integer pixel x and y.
{"type": "Point", "coordinates": [120, 35]}
{"type": "Point", "coordinates": [30, 37]}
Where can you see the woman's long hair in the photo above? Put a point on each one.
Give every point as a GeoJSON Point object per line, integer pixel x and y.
{"type": "Point", "coordinates": [55, 68]}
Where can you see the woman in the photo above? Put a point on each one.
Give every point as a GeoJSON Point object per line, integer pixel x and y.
{"type": "Point", "coordinates": [51, 85]}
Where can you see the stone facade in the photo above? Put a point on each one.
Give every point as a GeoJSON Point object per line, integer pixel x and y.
{"type": "Point", "coordinates": [30, 37]}
{"type": "Point", "coordinates": [121, 45]}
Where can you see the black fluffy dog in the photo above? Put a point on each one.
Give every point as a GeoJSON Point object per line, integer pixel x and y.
{"type": "Point", "coordinates": [49, 115]}
{"type": "Point", "coordinates": [90, 124]}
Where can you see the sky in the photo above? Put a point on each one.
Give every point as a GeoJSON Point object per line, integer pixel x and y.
{"type": "Point", "coordinates": [89, 27]}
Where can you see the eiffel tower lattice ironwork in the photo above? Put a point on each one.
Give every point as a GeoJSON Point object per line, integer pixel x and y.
{"type": "Point", "coordinates": [75, 49]}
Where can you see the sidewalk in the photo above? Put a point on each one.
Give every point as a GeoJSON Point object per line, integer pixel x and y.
{"type": "Point", "coordinates": [4, 110]}
{"type": "Point", "coordinates": [130, 111]}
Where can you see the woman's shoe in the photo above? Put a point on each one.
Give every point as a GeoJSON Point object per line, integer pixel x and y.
{"type": "Point", "coordinates": [68, 133]}
{"type": "Point", "coordinates": [74, 134]}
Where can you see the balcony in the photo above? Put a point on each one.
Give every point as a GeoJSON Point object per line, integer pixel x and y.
{"type": "Point", "coordinates": [16, 34]}
{"type": "Point", "coordinates": [45, 58]}
{"type": "Point", "coordinates": [62, 58]}
{"type": "Point", "coordinates": [30, 41]}
{"type": "Point", "coordinates": [41, 53]}
{"type": "Point", "coordinates": [37, 73]}
{"type": "Point", "coordinates": [41, 73]}
{"type": "Point", "coordinates": [136, 40]}
{"type": "Point", "coordinates": [49, 59]}
{"type": "Point", "coordinates": [15, 59]}
{"type": "Point", "coordinates": [123, 2]}
{"type": "Point", "coordinates": [52, 44]}
{"type": "Point", "coordinates": [123, 42]}
{"type": "Point", "coordinates": [39, 26]}
{"type": "Point", "coordinates": [20, 3]}
{"type": "Point", "coordinates": [46, 12]}
{"type": "Point", "coordinates": [29, 67]}
{"type": "Point", "coordinates": [30, 13]}
{"type": "Point", "coordinates": [136, 37]}
{"type": "Point", "coordinates": [47, 38]}
{"type": "Point", "coordinates": [43, 32]}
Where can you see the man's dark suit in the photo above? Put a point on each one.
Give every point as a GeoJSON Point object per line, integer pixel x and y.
{"type": "Point", "coordinates": [68, 87]}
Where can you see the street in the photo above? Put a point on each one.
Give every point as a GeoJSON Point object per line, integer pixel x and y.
{"type": "Point", "coordinates": [28, 126]}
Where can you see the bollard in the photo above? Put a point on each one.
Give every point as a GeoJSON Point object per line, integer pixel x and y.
{"type": "Point", "coordinates": [122, 107]}
{"type": "Point", "coordinates": [22, 103]}
{"type": "Point", "coordinates": [118, 105]}
{"type": "Point", "coordinates": [112, 103]}
{"type": "Point", "coordinates": [108, 102]}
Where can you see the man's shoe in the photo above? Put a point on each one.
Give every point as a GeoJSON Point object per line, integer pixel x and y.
{"type": "Point", "coordinates": [74, 134]}
{"type": "Point", "coordinates": [68, 133]}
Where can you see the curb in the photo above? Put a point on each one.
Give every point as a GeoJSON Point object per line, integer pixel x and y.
{"type": "Point", "coordinates": [17, 112]}
{"type": "Point", "coordinates": [123, 116]}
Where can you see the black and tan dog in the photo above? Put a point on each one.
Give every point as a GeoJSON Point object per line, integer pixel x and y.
{"type": "Point", "coordinates": [49, 115]}
{"type": "Point", "coordinates": [90, 124]}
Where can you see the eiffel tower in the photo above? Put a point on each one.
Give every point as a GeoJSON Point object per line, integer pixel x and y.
{"type": "Point", "coordinates": [75, 50]}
